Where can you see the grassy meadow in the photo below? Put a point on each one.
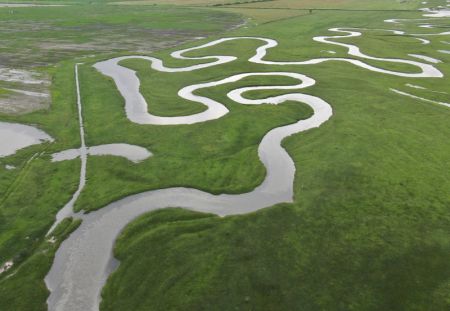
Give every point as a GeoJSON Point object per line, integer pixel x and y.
{"type": "Point", "coordinates": [51, 40]}
{"type": "Point", "coordinates": [370, 225]}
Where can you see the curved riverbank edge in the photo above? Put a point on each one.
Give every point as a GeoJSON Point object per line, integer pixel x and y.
{"type": "Point", "coordinates": [15, 136]}
{"type": "Point", "coordinates": [132, 153]}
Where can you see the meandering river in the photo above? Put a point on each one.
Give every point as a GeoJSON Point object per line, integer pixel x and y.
{"type": "Point", "coordinates": [84, 260]}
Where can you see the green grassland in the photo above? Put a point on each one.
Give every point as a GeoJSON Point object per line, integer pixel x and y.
{"type": "Point", "coordinates": [33, 192]}
{"type": "Point", "coordinates": [369, 229]}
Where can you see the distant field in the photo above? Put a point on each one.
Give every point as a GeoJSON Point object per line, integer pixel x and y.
{"type": "Point", "coordinates": [297, 4]}
{"type": "Point", "coordinates": [38, 36]}
{"type": "Point", "coordinates": [174, 2]}
{"type": "Point", "coordinates": [266, 11]}
{"type": "Point", "coordinates": [337, 4]}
